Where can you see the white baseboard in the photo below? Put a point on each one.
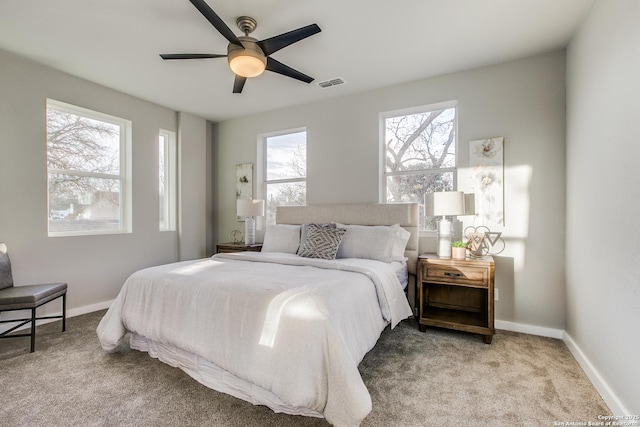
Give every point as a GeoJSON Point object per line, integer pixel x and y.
{"type": "Point", "coordinates": [608, 395]}
{"type": "Point", "coordinates": [529, 329]}
{"type": "Point", "coordinates": [89, 308]}
{"type": "Point", "coordinates": [70, 313]}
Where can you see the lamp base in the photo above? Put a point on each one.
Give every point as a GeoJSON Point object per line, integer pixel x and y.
{"type": "Point", "coordinates": [249, 231]}
{"type": "Point", "coordinates": [444, 238]}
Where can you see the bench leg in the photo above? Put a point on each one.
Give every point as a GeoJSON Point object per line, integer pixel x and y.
{"type": "Point", "coordinates": [33, 330]}
{"type": "Point", "coordinates": [64, 312]}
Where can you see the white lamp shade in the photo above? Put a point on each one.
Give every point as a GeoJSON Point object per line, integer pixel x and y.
{"type": "Point", "coordinates": [249, 207]}
{"type": "Point", "coordinates": [444, 203]}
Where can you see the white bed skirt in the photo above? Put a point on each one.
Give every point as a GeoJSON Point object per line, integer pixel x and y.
{"type": "Point", "coordinates": [215, 377]}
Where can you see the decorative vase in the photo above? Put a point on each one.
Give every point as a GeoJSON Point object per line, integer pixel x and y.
{"type": "Point", "coordinates": [458, 253]}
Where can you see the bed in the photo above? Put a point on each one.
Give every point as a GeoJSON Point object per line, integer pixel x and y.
{"type": "Point", "coordinates": [285, 327]}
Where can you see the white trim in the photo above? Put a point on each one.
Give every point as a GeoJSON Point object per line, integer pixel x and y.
{"type": "Point", "coordinates": [124, 175]}
{"type": "Point", "coordinates": [179, 168]}
{"type": "Point", "coordinates": [420, 109]}
{"type": "Point", "coordinates": [77, 110]}
{"type": "Point", "coordinates": [89, 308]}
{"type": "Point", "coordinates": [169, 141]}
{"type": "Point", "coordinates": [606, 392]}
{"type": "Point", "coordinates": [70, 313]}
{"type": "Point", "coordinates": [529, 329]}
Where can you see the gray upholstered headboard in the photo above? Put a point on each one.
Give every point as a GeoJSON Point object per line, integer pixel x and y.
{"type": "Point", "coordinates": [405, 214]}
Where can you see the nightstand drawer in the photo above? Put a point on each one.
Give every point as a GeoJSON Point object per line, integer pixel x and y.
{"type": "Point", "coordinates": [468, 275]}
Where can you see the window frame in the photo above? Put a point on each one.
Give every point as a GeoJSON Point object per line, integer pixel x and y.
{"type": "Point", "coordinates": [124, 176]}
{"type": "Point", "coordinates": [168, 205]}
{"type": "Point", "coordinates": [384, 175]}
{"type": "Point", "coordinates": [263, 182]}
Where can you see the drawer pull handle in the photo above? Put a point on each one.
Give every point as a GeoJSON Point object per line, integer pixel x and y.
{"type": "Point", "coordinates": [446, 273]}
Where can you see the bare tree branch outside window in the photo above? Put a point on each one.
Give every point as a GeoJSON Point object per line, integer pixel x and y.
{"type": "Point", "coordinates": [84, 172]}
{"type": "Point", "coordinates": [420, 156]}
{"type": "Point", "coordinates": [286, 171]}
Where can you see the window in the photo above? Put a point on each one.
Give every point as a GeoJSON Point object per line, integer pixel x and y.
{"type": "Point", "coordinates": [167, 179]}
{"type": "Point", "coordinates": [284, 159]}
{"type": "Point", "coordinates": [88, 166]}
{"type": "Point", "coordinates": [419, 154]}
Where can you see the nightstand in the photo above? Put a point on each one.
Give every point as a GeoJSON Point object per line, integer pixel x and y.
{"type": "Point", "coordinates": [456, 294]}
{"type": "Point", "coordinates": [237, 247]}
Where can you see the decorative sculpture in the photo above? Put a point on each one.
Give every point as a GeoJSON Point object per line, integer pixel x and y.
{"type": "Point", "coordinates": [481, 241]}
{"type": "Point", "coordinates": [236, 236]}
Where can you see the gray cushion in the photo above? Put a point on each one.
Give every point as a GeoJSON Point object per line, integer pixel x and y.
{"type": "Point", "coordinates": [6, 279]}
{"type": "Point", "coordinates": [22, 297]}
{"type": "Point", "coordinates": [322, 242]}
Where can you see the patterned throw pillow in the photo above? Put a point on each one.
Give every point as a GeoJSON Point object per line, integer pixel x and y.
{"type": "Point", "coordinates": [305, 231]}
{"type": "Point", "coordinates": [322, 242]}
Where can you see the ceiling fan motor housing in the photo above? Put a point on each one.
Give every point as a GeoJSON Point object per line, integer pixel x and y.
{"type": "Point", "coordinates": [247, 62]}
{"type": "Point", "coordinates": [246, 24]}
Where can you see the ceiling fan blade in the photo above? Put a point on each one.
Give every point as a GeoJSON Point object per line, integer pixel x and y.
{"type": "Point", "coordinates": [238, 84]}
{"type": "Point", "coordinates": [215, 20]}
{"type": "Point", "coordinates": [276, 43]}
{"type": "Point", "coordinates": [190, 55]}
{"type": "Point", "coordinates": [280, 68]}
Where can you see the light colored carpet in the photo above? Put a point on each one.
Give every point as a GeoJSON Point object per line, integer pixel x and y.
{"type": "Point", "coordinates": [437, 378]}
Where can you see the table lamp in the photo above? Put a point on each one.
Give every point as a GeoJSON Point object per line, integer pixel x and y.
{"type": "Point", "coordinates": [444, 204]}
{"type": "Point", "coordinates": [249, 209]}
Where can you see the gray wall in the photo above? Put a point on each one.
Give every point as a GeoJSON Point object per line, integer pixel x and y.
{"type": "Point", "coordinates": [193, 194]}
{"type": "Point", "coordinates": [603, 193]}
{"type": "Point", "coordinates": [93, 266]}
{"type": "Point", "coordinates": [523, 101]}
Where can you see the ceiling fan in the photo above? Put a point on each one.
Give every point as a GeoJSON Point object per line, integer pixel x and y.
{"type": "Point", "coordinates": [247, 56]}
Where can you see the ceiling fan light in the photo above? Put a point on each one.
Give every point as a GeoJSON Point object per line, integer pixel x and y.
{"type": "Point", "coordinates": [247, 62]}
{"type": "Point", "coordinates": [247, 66]}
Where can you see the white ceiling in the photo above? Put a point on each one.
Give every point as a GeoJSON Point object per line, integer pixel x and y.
{"type": "Point", "coordinates": [369, 43]}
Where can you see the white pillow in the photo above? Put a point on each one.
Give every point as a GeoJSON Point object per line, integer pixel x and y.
{"type": "Point", "coordinates": [368, 241]}
{"type": "Point", "coordinates": [281, 238]}
{"type": "Point", "coordinates": [400, 244]}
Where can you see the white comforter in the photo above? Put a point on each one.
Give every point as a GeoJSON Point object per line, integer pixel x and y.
{"type": "Point", "coordinates": [294, 327]}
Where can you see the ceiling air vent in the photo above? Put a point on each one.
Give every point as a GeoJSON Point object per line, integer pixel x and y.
{"type": "Point", "coordinates": [333, 82]}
